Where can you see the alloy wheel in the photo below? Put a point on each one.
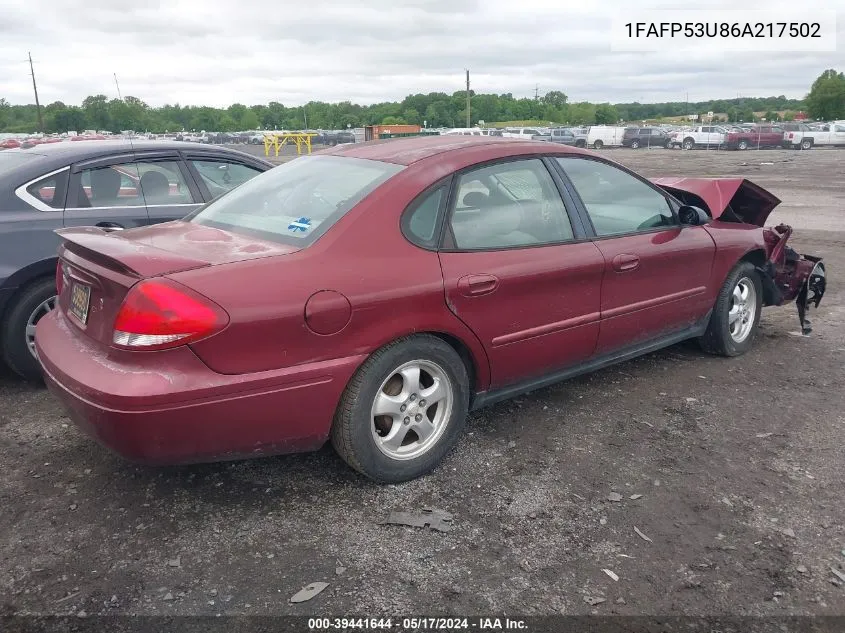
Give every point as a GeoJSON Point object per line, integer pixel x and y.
{"type": "Point", "coordinates": [411, 409]}
{"type": "Point", "coordinates": [43, 308]}
{"type": "Point", "coordinates": [743, 310]}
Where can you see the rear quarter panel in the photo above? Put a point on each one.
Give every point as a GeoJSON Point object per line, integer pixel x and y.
{"type": "Point", "coordinates": [28, 246]}
{"type": "Point", "coordinates": [393, 289]}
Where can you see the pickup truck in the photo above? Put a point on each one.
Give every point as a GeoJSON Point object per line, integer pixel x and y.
{"type": "Point", "coordinates": [756, 137]}
{"type": "Point", "coordinates": [805, 137]}
{"type": "Point", "coordinates": [701, 136]}
{"type": "Point", "coordinates": [564, 136]}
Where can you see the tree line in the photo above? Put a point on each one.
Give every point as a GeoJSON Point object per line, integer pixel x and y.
{"type": "Point", "coordinates": [826, 100]}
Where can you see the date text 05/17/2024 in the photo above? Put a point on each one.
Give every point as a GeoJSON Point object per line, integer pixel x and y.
{"type": "Point", "coordinates": [492, 624]}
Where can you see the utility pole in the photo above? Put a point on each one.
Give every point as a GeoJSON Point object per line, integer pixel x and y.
{"type": "Point", "coordinates": [35, 89]}
{"type": "Point", "coordinates": [468, 101]}
{"type": "Point", "coordinates": [536, 92]}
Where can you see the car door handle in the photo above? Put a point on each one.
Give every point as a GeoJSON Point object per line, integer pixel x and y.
{"type": "Point", "coordinates": [625, 262]}
{"type": "Point", "coordinates": [475, 285]}
{"type": "Point", "coordinates": [110, 226]}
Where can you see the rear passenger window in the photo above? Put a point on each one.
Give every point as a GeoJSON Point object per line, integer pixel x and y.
{"type": "Point", "coordinates": [506, 205]}
{"type": "Point", "coordinates": [50, 190]}
{"type": "Point", "coordinates": [420, 224]}
{"type": "Point", "coordinates": [133, 185]}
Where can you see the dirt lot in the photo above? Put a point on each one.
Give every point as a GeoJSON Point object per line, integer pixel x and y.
{"type": "Point", "coordinates": [737, 468]}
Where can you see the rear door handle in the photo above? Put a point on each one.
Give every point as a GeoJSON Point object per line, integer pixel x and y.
{"type": "Point", "coordinates": [625, 262]}
{"type": "Point", "coordinates": [475, 285]}
{"type": "Point", "coordinates": [110, 226]}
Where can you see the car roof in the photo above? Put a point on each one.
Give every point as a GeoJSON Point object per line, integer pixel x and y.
{"type": "Point", "coordinates": [405, 151]}
{"type": "Point", "coordinates": [81, 150]}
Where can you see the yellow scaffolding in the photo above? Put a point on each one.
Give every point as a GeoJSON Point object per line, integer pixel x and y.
{"type": "Point", "coordinates": [278, 140]}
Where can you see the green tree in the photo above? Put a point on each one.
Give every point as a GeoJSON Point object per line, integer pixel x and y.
{"type": "Point", "coordinates": [606, 114]}
{"type": "Point", "coordinates": [826, 99]}
{"type": "Point", "coordinates": [97, 112]}
{"type": "Point", "coordinates": [555, 99]}
{"type": "Point", "coordinates": [771, 115]}
{"type": "Point", "coordinates": [393, 120]}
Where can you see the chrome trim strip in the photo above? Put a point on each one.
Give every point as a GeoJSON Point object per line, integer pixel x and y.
{"type": "Point", "coordinates": [139, 206]}
{"type": "Point", "coordinates": [22, 193]}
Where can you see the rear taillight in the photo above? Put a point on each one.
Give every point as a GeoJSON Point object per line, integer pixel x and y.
{"type": "Point", "coordinates": [158, 314]}
{"type": "Point", "coordinates": [60, 277]}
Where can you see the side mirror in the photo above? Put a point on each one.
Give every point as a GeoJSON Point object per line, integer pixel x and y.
{"type": "Point", "coordinates": [693, 216]}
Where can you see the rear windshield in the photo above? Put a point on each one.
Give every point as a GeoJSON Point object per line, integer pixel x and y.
{"type": "Point", "coordinates": [297, 202]}
{"type": "Point", "coordinates": [11, 159]}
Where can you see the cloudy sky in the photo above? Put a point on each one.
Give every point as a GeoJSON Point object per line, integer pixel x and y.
{"type": "Point", "coordinates": [216, 52]}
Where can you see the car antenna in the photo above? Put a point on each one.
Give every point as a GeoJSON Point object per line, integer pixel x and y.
{"type": "Point", "coordinates": [131, 145]}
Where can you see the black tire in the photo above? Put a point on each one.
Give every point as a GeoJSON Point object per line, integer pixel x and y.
{"type": "Point", "coordinates": [743, 145]}
{"type": "Point", "coordinates": [16, 351]}
{"type": "Point", "coordinates": [718, 338]}
{"type": "Point", "coordinates": [581, 143]}
{"type": "Point", "coordinates": [352, 433]}
{"type": "Point", "coordinates": [689, 143]}
{"type": "Point", "coordinates": [807, 143]}
{"type": "Point", "coordinates": [598, 144]}
{"type": "Point", "coordinates": [635, 144]}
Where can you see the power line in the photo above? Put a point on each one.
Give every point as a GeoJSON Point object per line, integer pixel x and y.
{"type": "Point", "coordinates": [35, 89]}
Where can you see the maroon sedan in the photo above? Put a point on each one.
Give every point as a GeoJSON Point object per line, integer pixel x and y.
{"type": "Point", "coordinates": [376, 293]}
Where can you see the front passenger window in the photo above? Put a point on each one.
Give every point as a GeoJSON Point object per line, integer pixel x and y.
{"type": "Point", "coordinates": [616, 201]}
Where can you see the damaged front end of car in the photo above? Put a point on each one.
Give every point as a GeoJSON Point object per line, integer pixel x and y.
{"type": "Point", "coordinates": [786, 274]}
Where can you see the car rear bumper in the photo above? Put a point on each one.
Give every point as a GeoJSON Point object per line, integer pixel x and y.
{"type": "Point", "coordinates": [170, 408]}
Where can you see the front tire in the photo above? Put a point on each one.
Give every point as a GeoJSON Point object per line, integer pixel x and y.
{"type": "Point", "coordinates": [403, 411]}
{"type": "Point", "coordinates": [733, 323]}
{"type": "Point", "coordinates": [743, 145]}
{"type": "Point", "coordinates": [19, 328]}
{"type": "Point", "coordinates": [598, 145]}
{"type": "Point", "coordinates": [635, 144]}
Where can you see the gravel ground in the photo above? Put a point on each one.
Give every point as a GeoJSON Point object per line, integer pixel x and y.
{"type": "Point", "coordinates": [728, 473]}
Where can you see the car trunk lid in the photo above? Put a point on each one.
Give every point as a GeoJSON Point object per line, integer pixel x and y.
{"type": "Point", "coordinates": [98, 267]}
{"type": "Point", "coordinates": [726, 199]}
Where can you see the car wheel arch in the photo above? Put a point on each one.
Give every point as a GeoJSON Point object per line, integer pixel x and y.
{"type": "Point", "coordinates": [758, 258]}
{"type": "Point", "coordinates": [21, 279]}
{"type": "Point", "coordinates": [473, 355]}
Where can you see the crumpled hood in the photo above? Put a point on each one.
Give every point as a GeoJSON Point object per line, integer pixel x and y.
{"type": "Point", "coordinates": [728, 199]}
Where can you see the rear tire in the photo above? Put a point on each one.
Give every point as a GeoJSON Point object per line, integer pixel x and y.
{"type": "Point", "coordinates": [17, 331]}
{"type": "Point", "coordinates": [414, 436]}
{"type": "Point", "coordinates": [806, 144]}
{"type": "Point", "coordinates": [733, 323]}
{"type": "Point", "coordinates": [598, 145]}
{"type": "Point", "coordinates": [635, 144]}
{"type": "Point", "coordinates": [742, 145]}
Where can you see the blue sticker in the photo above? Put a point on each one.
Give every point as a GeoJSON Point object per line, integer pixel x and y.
{"type": "Point", "coordinates": [302, 224]}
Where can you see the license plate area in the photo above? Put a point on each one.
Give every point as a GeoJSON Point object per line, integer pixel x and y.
{"type": "Point", "coordinates": [80, 300]}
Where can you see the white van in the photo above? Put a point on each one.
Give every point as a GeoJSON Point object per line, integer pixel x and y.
{"type": "Point", "coordinates": [525, 133]}
{"type": "Point", "coordinates": [600, 136]}
{"type": "Point", "coordinates": [471, 131]}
